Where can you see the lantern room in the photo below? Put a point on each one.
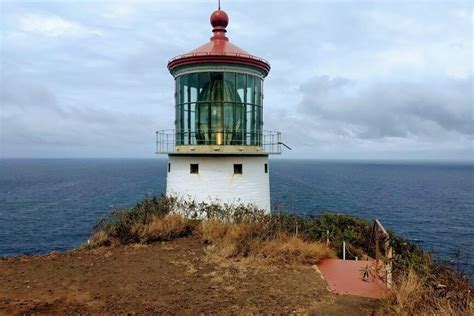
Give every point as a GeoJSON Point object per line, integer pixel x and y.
{"type": "Point", "coordinates": [219, 108]}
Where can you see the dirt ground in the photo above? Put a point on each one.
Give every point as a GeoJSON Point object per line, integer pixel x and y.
{"type": "Point", "coordinates": [175, 277]}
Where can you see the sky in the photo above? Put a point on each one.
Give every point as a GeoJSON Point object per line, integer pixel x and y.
{"type": "Point", "coordinates": [349, 79]}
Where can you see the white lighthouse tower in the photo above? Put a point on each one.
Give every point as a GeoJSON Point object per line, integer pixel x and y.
{"type": "Point", "coordinates": [218, 151]}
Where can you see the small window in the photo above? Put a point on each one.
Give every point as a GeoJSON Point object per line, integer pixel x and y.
{"type": "Point", "coordinates": [266, 168]}
{"type": "Point", "coordinates": [237, 168]}
{"type": "Point", "coordinates": [194, 168]}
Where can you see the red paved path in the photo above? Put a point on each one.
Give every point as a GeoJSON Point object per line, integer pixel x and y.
{"type": "Point", "coordinates": [345, 277]}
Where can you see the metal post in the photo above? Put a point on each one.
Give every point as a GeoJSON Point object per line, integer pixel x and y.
{"type": "Point", "coordinates": [343, 250]}
{"type": "Point", "coordinates": [377, 248]}
{"type": "Point", "coordinates": [389, 254]}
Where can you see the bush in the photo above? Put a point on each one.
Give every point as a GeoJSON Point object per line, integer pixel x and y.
{"type": "Point", "coordinates": [212, 231]}
{"type": "Point", "coordinates": [164, 228]}
{"type": "Point", "coordinates": [99, 239]}
{"type": "Point", "coordinates": [409, 256]}
{"type": "Point", "coordinates": [225, 213]}
{"type": "Point", "coordinates": [262, 240]}
{"type": "Point", "coordinates": [291, 250]}
{"type": "Point", "coordinates": [126, 226]}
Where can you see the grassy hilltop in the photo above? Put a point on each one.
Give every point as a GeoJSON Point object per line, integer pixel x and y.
{"type": "Point", "coordinates": [422, 285]}
{"type": "Point", "coordinates": [168, 256]}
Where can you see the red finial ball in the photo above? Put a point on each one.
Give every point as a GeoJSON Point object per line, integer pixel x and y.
{"type": "Point", "coordinates": [219, 19]}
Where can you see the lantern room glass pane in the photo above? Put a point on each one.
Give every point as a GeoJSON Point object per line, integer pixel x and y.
{"type": "Point", "coordinates": [193, 87]}
{"type": "Point", "coordinates": [249, 124]}
{"type": "Point", "coordinates": [256, 110]}
{"type": "Point", "coordinates": [229, 86]}
{"type": "Point", "coordinates": [176, 91]}
{"type": "Point", "coordinates": [240, 86]}
{"type": "Point", "coordinates": [218, 108]}
{"type": "Point", "coordinates": [228, 116]}
{"type": "Point", "coordinates": [178, 124]}
{"type": "Point", "coordinates": [258, 91]}
{"type": "Point", "coordinates": [250, 97]}
{"type": "Point", "coordinates": [192, 122]}
{"type": "Point", "coordinates": [203, 80]}
{"type": "Point", "coordinates": [202, 134]}
{"type": "Point", "coordinates": [185, 89]}
{"type": "Point", "coordinates": [180, 91]}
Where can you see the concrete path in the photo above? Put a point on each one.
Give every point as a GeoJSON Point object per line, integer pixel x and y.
{"type": "Point", "coordinates": [346, 277]}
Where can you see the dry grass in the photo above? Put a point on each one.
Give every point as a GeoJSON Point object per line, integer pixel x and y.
{"type": "Point", "coordinates": [407, 296]}
{"type": "Point", "coordinates": [163, 228]}
{"type": "Point", "coordinates": [159, 228]}
{"type": "Point", "coordinates": [99, 239]}
{"type": "Point", "coordinates": [292, 250]}
{"type": "Point", "coordinates": [238, 240]}
{"type": "Point", "coordinates": [229, 240]}
{"type": "Point", "coordinates": [252, 240]}
{"type": "Point", "coordinates": [411, 295]}
{"type": "Point", "coordinates": [212, 230]}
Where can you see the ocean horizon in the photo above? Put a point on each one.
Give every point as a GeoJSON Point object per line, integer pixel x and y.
{"type": "Point", "coordinates": [51, 204]}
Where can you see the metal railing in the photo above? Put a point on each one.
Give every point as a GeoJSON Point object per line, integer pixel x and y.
{"type": "Point", "coordinates": [218, 54]}
{"type": "Point", "coordinates": [268, 141]}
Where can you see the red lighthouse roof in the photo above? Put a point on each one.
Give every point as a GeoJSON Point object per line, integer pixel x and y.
{"type": "Point", "coordinates": [219, 49]}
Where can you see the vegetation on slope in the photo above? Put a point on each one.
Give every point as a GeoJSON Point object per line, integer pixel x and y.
{"type": "Point", "coordinates": [421, 285]}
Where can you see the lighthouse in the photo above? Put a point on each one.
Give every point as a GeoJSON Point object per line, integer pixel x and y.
{"type": "Point", "coordinates": [218, 151]}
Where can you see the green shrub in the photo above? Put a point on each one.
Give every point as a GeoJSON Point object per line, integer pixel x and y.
{"type": "Point", "coordinates": [119, 225]}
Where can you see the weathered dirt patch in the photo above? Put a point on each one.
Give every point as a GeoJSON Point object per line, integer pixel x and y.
{"type": "Point", "coordinates": [171, 277]}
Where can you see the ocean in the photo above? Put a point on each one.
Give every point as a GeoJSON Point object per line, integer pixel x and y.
{"type": "Point", "coordinates": [51, 204]}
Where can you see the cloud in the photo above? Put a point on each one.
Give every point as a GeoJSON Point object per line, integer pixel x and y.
{"type": "Point", "coordinates": [119, 10]}
{"type": "Point", "coordinates": [53, 26]}
{"type": "Point", "coordinates": [32, 115]}
{"type": "Point", "coordinates": [340, 117]}
{"type": "Point", "coordinates": [390, 108]}
{"type": "Point", "coordinates": [364, 80]}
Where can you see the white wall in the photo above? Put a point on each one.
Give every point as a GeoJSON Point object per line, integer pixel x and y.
{"type": "Point", "coordinates": [216, 179]}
